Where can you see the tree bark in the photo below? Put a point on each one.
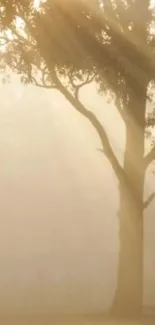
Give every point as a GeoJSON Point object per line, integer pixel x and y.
{"type": "Point", "coordinates": [129, 293]}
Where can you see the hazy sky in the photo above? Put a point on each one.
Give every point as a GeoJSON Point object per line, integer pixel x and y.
{"type": "Point", "coordinates": [58, 199]}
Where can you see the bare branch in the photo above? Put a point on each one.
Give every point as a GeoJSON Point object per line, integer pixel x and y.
{"type": "Point", "coordinates": [36, 83]}
{"type": "Point", "coordinates": [89, 79]}
{"type": "Point", "coordinates": [149, 200]}
{"type": "Point", "coordinates": [149, 157]}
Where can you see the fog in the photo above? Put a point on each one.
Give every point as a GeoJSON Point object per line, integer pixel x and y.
{"type": "Point", "coordinates": [59, 200]}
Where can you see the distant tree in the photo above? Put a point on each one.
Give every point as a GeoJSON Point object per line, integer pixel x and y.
{"type": "Point", "coordinates": [66, 44]}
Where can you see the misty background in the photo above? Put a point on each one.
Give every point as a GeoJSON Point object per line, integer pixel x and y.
{"type": "Point", "coordinates": [59, 199]}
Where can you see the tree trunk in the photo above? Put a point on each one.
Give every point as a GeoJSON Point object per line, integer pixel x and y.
{"type": "Point", "coordinates": [129, 293]}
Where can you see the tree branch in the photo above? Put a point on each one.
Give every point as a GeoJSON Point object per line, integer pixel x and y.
{"type": "Point", "coordinates": [149, 158]}
{"type": "Point", "coordinates": [149, 200]}
{"type": "Point", "coordinates": [89, 79]}
{"type": "Point", "coordinates": [20, 38]}
{"type": "Point", "coordinates": [36, 83]}
{"type": "Point", "coordinates": [106, 147]}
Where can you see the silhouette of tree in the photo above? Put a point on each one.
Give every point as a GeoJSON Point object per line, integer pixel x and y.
{"type": "Point", "coordinates": [65, 44]}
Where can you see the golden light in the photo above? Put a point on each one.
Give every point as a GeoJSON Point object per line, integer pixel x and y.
{"type": "Point", "coordinates": [37, 4]}
{"type": "Point", "coordinates": [152, 4]}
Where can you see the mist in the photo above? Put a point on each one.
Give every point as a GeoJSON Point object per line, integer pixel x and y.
{"type": "Point", "coordinates": [59, 198]}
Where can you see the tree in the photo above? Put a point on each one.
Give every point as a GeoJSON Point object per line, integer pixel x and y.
{"type": "Point", "coordinates": [67, 44]}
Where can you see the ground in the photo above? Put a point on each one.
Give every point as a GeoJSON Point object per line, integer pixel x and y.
{"type": "Point", "coordinates": [87, 320]}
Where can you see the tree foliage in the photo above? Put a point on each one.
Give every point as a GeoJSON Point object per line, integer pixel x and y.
{"type": "Point", "coordinates": [67, 44]}
{"type": "Point", "coordinates": [76, 37]}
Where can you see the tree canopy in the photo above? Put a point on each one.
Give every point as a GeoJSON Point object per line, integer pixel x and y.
{"type": "Point", "coordinates": [67, 44]}
{"type": "Point", "coordinates": [77, 35]}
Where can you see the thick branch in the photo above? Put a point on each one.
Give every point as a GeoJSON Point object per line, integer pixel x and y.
{"type": "Point", "coordinates": [106, 147]}
{"type": "Point", "coordinates": [149, 157]}
{"type": "Point", "coordinates": [97, 125]}
{"type": "Point", "coordinates": [149, 200]}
